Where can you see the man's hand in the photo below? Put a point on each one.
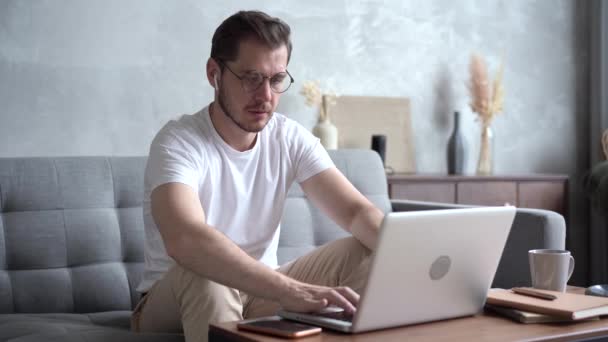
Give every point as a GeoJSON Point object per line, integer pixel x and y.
{"type": "Point", "coordinates": [302, 297]}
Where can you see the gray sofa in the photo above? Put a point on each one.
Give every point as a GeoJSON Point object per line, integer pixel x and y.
{"type": "Point", "coordinates": [71, 241]}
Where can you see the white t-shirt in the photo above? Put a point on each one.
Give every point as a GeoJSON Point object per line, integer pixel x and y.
{"type": "Point", "coordinates": [242, 193]}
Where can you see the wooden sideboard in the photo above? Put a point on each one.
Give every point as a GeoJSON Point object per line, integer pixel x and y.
{"type": "Point", "coordinates": [528, 191]}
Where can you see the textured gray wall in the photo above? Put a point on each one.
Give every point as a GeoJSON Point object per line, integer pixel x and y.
{"type": "Point", "coordinates": [101, 77]}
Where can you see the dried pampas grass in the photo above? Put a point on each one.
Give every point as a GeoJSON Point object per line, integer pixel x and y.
{"type": "Point", "coordinates": [314, 97]}
{"type": "Point", "coordinates": [311, 92]}
{"type": "Point", "coordinates": [486, 101]}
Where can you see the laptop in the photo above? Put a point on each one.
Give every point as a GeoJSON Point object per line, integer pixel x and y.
{"type": "Point", "coordinates": [428, 266]}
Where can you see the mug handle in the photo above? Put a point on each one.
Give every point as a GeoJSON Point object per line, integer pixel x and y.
{"type": "Point", "coordinates": [571, 267]}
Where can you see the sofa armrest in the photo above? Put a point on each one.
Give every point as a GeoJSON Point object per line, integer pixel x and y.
{"type": "Point", "coordinates": [532, 229]}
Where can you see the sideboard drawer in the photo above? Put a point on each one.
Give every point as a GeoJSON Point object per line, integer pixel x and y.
{"type": "Point", "coordinates": [487, 193]}
{"type": "Point", "coordinates": [431, 192]}
{"type": "Point", "coordinates": [544, 195]}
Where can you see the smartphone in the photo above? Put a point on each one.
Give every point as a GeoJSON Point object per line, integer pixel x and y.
{"type": "Point", "coordinates": [278, 327]}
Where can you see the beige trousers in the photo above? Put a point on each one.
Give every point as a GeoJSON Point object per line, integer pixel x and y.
{"type": "Point", "coordinates": [185, 302]}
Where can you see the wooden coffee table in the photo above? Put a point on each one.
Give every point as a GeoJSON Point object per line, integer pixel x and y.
{"type": "Point", "coordinates": [482, 327]}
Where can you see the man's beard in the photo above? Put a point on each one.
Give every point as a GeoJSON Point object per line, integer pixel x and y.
{"type": "Point", "coordinates": [221, 101]}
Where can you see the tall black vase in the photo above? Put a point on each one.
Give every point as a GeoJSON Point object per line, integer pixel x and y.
{"type": "Point", "coordinates": [456, 149]}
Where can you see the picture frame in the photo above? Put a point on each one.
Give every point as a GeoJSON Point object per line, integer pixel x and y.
{"type": "Point", "coordinates": [357, 118]}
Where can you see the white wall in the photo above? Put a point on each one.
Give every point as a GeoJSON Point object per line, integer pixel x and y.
{"type": "Point", "coordinates": [101, 77]}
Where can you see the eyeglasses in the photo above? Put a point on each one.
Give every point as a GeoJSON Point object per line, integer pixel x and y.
{"type": "Point", "coordinates": [252, 80]}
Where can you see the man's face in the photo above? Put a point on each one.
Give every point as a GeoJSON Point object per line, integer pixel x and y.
{"type": "Point", "coordinates": [251, 110]}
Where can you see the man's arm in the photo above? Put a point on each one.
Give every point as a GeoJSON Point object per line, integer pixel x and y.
{"type": "Point", "coordinates": [202, 249]}
{"type": "Point", "coordinates": [331, 192]}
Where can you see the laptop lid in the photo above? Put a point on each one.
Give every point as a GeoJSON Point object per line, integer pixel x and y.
{"type": "Point", "coordinates": [433, 265]}
{"type": "Point", "coordinates": [428, 265]}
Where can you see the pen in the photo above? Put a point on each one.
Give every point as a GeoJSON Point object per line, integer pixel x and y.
{"type": "Point", "coordinates": [532, 293]}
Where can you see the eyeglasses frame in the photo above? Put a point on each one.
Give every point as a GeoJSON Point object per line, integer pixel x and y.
{"type": "Point", "coordinates": [292, 80]}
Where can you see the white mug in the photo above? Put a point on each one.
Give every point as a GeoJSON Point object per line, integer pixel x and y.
{"type": "Point", "coordinates": [550, 269]}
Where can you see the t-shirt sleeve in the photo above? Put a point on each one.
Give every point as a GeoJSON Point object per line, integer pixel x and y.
{"type": "Point", "coordinates": [171, 160]}
{"type": "Point", "coordinates": [310, 157]}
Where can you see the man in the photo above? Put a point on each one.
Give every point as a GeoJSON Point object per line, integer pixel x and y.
{"type": "Point", "coordinates": [215, 186]}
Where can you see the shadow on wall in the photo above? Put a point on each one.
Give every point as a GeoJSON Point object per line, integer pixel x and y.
{"type": "Point", "coordinates": [444, 98]}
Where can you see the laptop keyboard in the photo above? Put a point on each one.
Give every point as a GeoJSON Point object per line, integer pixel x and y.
{"type": "Point", "coordinates": [340, 315]}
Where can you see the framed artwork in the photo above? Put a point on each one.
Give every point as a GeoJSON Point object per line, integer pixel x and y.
{"type": "Point", "coordinates": [359, 117]}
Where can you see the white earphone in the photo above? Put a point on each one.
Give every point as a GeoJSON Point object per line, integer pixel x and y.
{"type": "Point", "coordinates": [215, 82]}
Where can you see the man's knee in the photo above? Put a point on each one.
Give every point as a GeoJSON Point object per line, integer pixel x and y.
{"type": "Point", "coordinates": [204, 299]}
{"type": "Point", "coordinates": [182, 300]}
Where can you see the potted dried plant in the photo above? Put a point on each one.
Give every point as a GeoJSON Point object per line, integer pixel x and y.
{"type": "Point", "coordinates": [487, 101]}
{"type": "Point", "coordinates": [325, 130]}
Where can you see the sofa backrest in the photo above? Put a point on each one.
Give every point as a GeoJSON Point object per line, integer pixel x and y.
{"type": "Point", "coordinates": [71, 233]}
{"type": "Point", "coordinates": [71, 228]}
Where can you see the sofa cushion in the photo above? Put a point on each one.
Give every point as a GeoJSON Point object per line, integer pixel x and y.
{"type": "Point", "coordinates": [100, 335]}
{"type": "Point", "coordinates": [114, 325]}
{"type": "Point", "coordinates": [71, 234]}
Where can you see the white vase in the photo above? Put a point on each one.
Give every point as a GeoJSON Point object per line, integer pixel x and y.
{"type": "Point", "coordinates": [327, 133]}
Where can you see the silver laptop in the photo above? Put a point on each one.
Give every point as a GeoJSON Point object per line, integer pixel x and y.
{"type": "Point", "coordinates": [429, 265]}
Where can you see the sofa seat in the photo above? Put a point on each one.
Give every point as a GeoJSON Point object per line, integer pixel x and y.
{"type": "Point", "coordinates": [99, 326]}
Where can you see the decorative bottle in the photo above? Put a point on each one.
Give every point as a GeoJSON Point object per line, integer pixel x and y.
{"type": "Point", "coordinates": [456, 149]}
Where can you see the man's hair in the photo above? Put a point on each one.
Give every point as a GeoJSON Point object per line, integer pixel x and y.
{"type": "Point", "coordinates": [245, 25]}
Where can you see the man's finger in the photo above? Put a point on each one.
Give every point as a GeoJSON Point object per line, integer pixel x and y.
{"type": "Point", "coordinates": [337, 299]}
{"type": "Point", "coordinates": [316, 305]}
{"type": "Point", "coordinates": [349, 294]}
